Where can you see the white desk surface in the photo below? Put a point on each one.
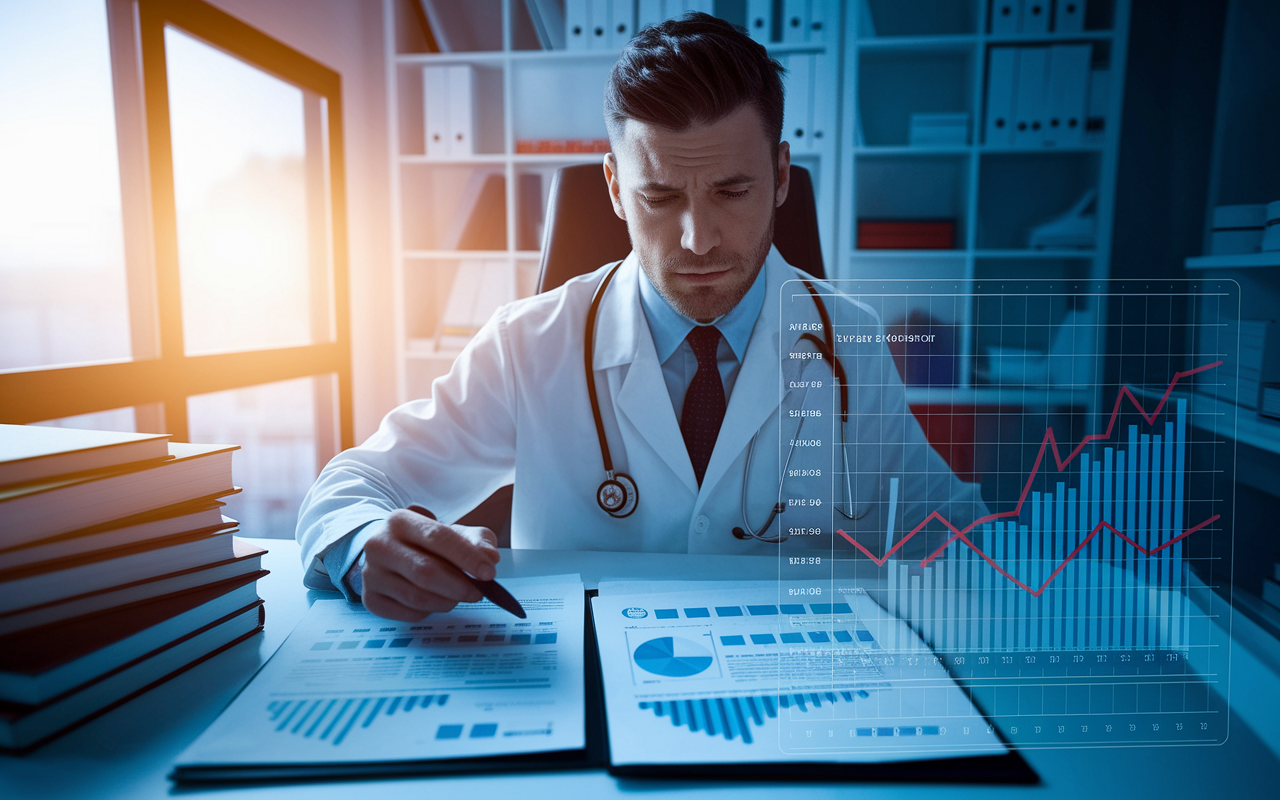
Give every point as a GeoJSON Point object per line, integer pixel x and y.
{"type": "Point", "coordinates": [128, 752]}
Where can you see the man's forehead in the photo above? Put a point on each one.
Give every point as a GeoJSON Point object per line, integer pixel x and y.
{"type": "Point", "coordinates": [727, 150]}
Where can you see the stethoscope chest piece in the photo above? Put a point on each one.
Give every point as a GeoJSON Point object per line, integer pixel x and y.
{"type": "Point", "coordinates": [618, 495]}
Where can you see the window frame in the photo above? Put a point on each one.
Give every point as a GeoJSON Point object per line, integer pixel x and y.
{"type": "Point", "coordinates": [166, 375]}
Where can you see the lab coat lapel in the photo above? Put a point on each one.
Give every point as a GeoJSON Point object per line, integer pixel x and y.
{"type": "Point", "coordinates": [757, 391]}
{"type": "Point", "coordinates": [623, 339]}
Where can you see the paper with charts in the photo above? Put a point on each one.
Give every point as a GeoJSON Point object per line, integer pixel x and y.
{"type": "Point", "coordinates": [743, 675]}
{"type": "Point", "coordinates": [347, 686]}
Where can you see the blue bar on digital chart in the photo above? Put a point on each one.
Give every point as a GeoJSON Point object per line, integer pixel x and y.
{"type": "Point", "coordinates": [1144, 579]}
{"type": "Point", "coordinates": [1131, 527]}
{"type": "Point", "coordinates": [818, 637]}
{"type": "Point", "coordinates": [789, 638]}
{"type": "Point", "coordinates": [792, 608]}
{"type": "Point", "coordinates": [1095, 565]}
{"type": "Point", "coordinates": [484, 730]}
{"type": "Point", "coordinates": [732, 641]}
{"type": "Point", "coordinates": [762, 611]}
{"type": "Point", "coordinates": [762, 638]}
{"type": "Point", "coordinates": [1179, 471]}
{"type": "Point", "coordinates": [1166, 575]}
{"type": "Point", "coordinates": [842, 636]}
{"type": "Point", "coordinates": [696, 613]}
{"type": "Point", "coordinates": [1125, 558]}
{"type": "Point", "coordinates": [1082, 558]}
{"type": "Point", "coordinates": [666, 613]}
{"type": "Point", "coordinates": [728, 611]}
{"type": "Point", "coordinates": [1002, 613]}
{"type": "Point", "coordinates": [1108, 513]}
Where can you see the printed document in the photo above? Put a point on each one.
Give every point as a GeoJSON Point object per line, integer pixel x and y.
{"type": "Point", "coordinates": [763, 672]}
{"type": "Point", "coordinates": [347, 686]}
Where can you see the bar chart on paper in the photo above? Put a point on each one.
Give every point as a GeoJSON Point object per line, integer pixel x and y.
{"type": "Point", "coordinates": [1077, 606]}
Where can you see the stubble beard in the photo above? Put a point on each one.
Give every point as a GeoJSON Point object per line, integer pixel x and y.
{"type": "Point", "coordinates": [705, 303]}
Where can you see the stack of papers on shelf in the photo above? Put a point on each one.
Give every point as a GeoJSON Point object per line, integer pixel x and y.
{"type": "Point", "coordinates": [117, 571]}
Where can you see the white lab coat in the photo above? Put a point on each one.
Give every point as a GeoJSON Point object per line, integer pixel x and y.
{"type": "Point", "coordinates": [514, 408]}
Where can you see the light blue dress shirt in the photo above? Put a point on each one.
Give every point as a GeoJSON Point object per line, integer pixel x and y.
{"type": "Point", "coordinates": [669, 328]}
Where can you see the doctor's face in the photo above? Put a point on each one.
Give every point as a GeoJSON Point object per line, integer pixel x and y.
{"type": "Point", "coordinates": [699, 206]}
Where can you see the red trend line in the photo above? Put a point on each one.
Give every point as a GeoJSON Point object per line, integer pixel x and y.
{"type": "Point", "coordinates": [1048, 441]}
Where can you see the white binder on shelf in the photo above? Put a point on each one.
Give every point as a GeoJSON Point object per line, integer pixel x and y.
{"type": "Point", "coordinates": [1035, 16]}
{"type": "Point", "coordinates": [1067, 96]}
{"type": "Point", "coordinates": [1068, 16]}
{"type": "Point", "coordinates": [795, 21]}
{"type": "Point", "coordinates": [577, 24]}
{"type": "Point", "coordinates": [435, 106]}
{"type": "Point", "coordinates": [598, 37]}
{"type": "Point", "coordinates": [1002, 74]}
{"type": "Point", "coordinates": [1028, 106]}
{"type": "Point", "coordinates": [622, 23]}
{"type": "Point", "coordinates": [462, 118]}
{"type": "Point", "coordinates": [1006, 17]}
{"type": "Point", "coordinates": [649, 12]}
{"type": "Point", "coordinates": [797, 125]}
{"type": "Point", "coordinates": [824, 16]}
{"type": "Point", "coordinates": [760, 20]}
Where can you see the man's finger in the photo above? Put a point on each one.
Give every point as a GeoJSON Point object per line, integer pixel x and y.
{"type": "Point", "coordinates": [475, 557]}
{"type": "Point", "coordinates": [417, 567]}
{"type": "Point", "coordinates": [415, 596]}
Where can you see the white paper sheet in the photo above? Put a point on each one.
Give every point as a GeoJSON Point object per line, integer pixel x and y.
{"type": "Point", "coordinates": [741, 675]}
{"type": "Point", "coordinates": [349, 686]}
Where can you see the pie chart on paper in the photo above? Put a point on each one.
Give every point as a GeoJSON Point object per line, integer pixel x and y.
{"type": "Point", "coordinates": [672, 657]}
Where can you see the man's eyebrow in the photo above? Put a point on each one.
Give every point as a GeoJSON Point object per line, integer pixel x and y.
{"type": "Point", "coordinates": [657, 187]}
{"type": "Point", "coordinates": [733, 180]}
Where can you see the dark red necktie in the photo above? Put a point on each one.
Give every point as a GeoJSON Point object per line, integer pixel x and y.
{"type": "Point", "coordinates": [704, 401]}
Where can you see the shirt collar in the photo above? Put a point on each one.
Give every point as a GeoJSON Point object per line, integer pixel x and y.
{"type": "Point", "coordinates": [669, 327]}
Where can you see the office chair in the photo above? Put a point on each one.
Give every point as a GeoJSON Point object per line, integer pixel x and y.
{"type": "Point", "coordinates": [582, 233]}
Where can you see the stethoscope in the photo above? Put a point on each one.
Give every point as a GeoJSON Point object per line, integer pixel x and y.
{"type": "Point", "coordinates": [618, 496]}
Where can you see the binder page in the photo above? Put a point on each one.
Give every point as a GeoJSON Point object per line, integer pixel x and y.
{"type": "Point", "coordinates": [348, 686]}
{"type": "Point", "coordinates": [748, 674]}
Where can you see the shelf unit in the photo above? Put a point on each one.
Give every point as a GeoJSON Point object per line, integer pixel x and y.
{"type": "Point", "coordinates": [915, 60]}
{"type": "Point", "coordinates": [531, 93]}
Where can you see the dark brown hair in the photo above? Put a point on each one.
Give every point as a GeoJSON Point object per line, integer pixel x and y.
{"type": "Point", "coordinates": [695, 68]}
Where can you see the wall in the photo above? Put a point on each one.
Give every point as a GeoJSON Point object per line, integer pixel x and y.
{"type": "Point", "coordinates": [347, 37]}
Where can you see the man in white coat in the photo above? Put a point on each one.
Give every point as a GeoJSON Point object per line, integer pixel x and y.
{"type": "Point", "coordinates": [687, 363]}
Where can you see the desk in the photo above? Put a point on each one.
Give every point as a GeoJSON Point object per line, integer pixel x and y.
{"type": "Point", "coordinates": [128, 752]}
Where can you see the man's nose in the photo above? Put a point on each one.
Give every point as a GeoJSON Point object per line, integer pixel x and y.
{"type": "Point", "coordinates": [699, 230]}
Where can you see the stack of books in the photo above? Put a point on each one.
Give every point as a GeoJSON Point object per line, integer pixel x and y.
{"type": "Point", "coordinates": [118, 571]}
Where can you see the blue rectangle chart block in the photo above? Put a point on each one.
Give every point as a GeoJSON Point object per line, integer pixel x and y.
{"type": "Point", "coordinates": [731, 641]}
{"type": "Point", "coordinates": [819, 637]}
{"type": "Point", "coordinates": [762, 611]}
{"type": "Point", "coordinates": [843, 636]}
{"type": "Point", "coordinates": [666, 613]}
{"type": "Point", "coordinates": [484, 730]}
{"type": "Point", "coordinates": [696, 613]}
{"type": "Point", "coordinates": [762, 638]}
{"type": "Point", "coordinates": [792, 608]}
{"type": "Point", "coordinates": [544, 638]}
{"type": "Point", "coordinates": [449, 732]}
{"type": "Point", "coordinates": [790, 638]}
{"type": "Point", "coordinates": [728, 611]}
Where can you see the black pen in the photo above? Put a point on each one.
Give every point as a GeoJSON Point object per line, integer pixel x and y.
{"type": "Point", "coordinates": [490, 589]}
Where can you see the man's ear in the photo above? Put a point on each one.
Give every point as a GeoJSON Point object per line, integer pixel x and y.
{"type": "Point", "coordinates": [784, 174]}
{"type": "Point", "coordinates": [615, 188]}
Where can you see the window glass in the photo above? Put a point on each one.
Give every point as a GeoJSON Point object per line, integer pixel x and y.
{"type": "Point", "coordinates": [285, 433]}
{"type": "Point", "coordinates": [123, 420]}
{"type": "Point", "coordinates": [63, 290]}
{"type": "Point", "coordinates": [250, 198]}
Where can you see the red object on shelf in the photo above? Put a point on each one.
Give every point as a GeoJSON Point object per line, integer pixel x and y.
{"type": "Point", "coordinates": [906, 234]}
{"type": "Point", "coordinates": [562, 146]}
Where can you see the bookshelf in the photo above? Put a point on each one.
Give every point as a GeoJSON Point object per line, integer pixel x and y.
{"type": "Point", "coordinates": [906, 57]}
{"type": "Point", "coordinates": [524, 93]}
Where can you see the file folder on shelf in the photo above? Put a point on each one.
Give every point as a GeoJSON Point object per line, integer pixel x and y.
{"type": "Point", "coordinates": [622, 18]}
{"type": "Point", "coordinates": [759, 20]}
{"type": "Point", "coordinates": [1006, 17]}
{"type": "Point", "coordinates": [1028, 129]}
{"type": "Point", "coordinates": [435, 106]}
{"type": "Point", "coordinates": [1068, 16]}
{"type": "Point", "coordinates": [648, 12]}
{"type": "Point", "coordinates": [797, 126]}
{"type": "Point", "coordinates": [1001, 83]}
{"type": "Point", "coordinates": [1067, 98]}
{"type": "Point", "coordinates": [1035, 17]}
{"type": "Point", "coordinates": [577, 24]}
{"type": "Point", "coordinates": [461, 116]}
{"type": "Point", "coordinates": [795, 21]}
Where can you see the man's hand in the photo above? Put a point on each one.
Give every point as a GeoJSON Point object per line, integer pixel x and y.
{"type": "Point", "coordinates": [416, 566]}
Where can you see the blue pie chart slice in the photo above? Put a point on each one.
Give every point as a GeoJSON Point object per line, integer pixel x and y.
{"type": "Point", "coordinates": [672, 657]}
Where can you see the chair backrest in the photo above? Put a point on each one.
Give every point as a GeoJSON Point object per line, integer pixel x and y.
{"type": "Point", "coordinates": [582, 232]}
